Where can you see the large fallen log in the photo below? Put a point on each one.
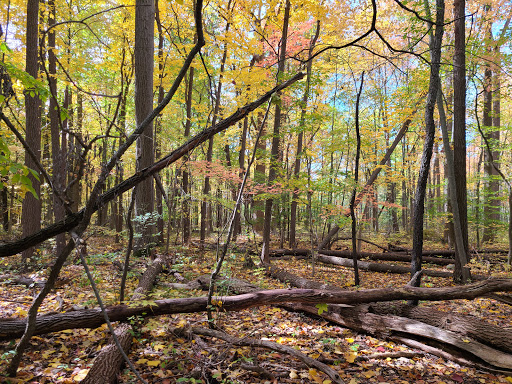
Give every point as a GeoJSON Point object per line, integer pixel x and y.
{"type": "Point", "coordinates": [108, 363]}
{"type": "Point", "coordinates": [92, 318]}
{"type": "Point", "coordinates": [454, 336]}
{"type": "Point", "coordinates": [388, 256]}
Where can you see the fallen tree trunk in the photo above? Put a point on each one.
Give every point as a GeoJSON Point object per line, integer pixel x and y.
{"type": "Point", "coordinates": [388, 256]}
{"type": "Point", "coordinates": [490, 345]}
{"type": "Point", "coordinates": [92, 318]}
{"type": "Point", "coordinates": [386, 268]}
{"type": "Point", "coordinates": [388, 326]}
{"type": "Point", "coordinates": [108, 363]}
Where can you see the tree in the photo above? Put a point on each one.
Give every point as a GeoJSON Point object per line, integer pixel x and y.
{"type": "Point", "coordinates": [419, 197]}
{"type": "Point", "coordinates": [274, 152]}
{"type": "Point", "coordinates": [459, 118]}
{"type": "Point", "coordinates": [144, 66]}
{"type": "Point", "coordinates": [31, 211]}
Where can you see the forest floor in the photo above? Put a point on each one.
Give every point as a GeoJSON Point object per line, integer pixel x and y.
{"type": "Point", "coordinates": [163, 357]}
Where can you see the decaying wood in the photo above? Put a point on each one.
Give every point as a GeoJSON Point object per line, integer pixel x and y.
{"type": "Point", "coordinates": [108, 362]}
{"type": "Point", "coordinates": [388, 256]}
{"type": "Point", "coordinates": [483, 343]}
{"type": "Point", "coordinates": [255, 343]}
{"type": "Point", "coordinates": [92, 318]}
{"type": "Point", "coordinates": [386, 268]}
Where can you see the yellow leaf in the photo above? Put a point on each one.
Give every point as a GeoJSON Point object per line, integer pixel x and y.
{"type": "Point", "coordinates": [314, 355]}
{"type": "Point", "coordinates": [81, 375]}
{"type": "Point", "coordinates": [369, 374]}
{"type": "Point", "coordinates": [141, 361]}
{"type": "Point", "coordinates": [466, 340]}
{"type": "Point", "coordinates": [350, 340]}
{"type": "Point", "coordinates": [293, 374]}
{"type": "Point", "coordinates": [350, 357]}
{"type": "Point", "coordinates": [353, 381]}
{"type": "Point", "coordinates": [327, 382]}
{"type": "Point", "coordinates": [509, 379]}
{"type": "Point", "coordinates": [158, 347]}
{"type": "Point", "coordinates": [154, 363]}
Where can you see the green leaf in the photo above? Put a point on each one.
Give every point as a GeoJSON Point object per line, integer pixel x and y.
{"type": "Point", "coordinates": [322, 307]}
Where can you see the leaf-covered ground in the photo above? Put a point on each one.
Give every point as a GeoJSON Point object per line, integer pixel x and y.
{"type": "Point", "coordinates": [163, 357]}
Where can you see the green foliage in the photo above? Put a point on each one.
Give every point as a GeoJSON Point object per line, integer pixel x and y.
{"type": "Point", "coordinates": [13, 172]}
{"type": "Point", "coordinates": [30, 84]}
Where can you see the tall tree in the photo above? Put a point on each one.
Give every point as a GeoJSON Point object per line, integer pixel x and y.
{"type": "Point", "coordinates": [302, 124]}
{"type": "Point", "coordinates": [459, 115]}
{"type": "Point", "coordinates": [31, 208]}
{"type": "Point", "coordinates": [186, 174]}
{"type": "Point", "coordinates": [144, 65]}
{"type": "Point", "coordinates": [419, 198]}
{"type": "Point", "coordinates": [274, 152]}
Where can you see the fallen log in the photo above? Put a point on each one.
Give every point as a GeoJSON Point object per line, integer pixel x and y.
{"type": "Point", "coordinates": [388, 256]}
{"type": "Point", "coordinates": [92, 318]}
{"type": "Point", "coordinates": [108, 363]}
{"type": "Point", "coordinates": [361, 319]}
{"type": "Point", "coordinates": [385, 268]}
{"type": "Point", "coordinates": [490, 345]}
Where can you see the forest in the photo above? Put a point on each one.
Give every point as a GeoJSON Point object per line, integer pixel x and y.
{"type": "Point", "coordinates": [255, 191]}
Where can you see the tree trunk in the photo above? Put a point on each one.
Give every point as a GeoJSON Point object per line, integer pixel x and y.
{"type": "Point", "coordinates": [459, 115]}
{"type": "Point", "coordinates": [302, 126]}
{"type": "Point", "coordinates": [186, 184]}
{"type": "Point", "coordinates": [144, 66]}
{"type": "Point", "coordinates": [419, 198]}
{"type": "Point", "coordinates": [108, 362]}
{"type": "Point", "coordinates": [92, 318]}
{"type": "Point", "coordinates": [274, 152]}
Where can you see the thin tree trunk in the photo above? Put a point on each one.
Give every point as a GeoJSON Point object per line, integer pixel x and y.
{"type": "Point", "coordinates": [419, 199]}
{"type": "Point", "coordinates": [302, 126]}
{"type": "Point", "coordinates": [274, 153]}
{"type": "Point", "coordinates": [459, 115]}
{"type": "Point", "coordinates": [186, 184]}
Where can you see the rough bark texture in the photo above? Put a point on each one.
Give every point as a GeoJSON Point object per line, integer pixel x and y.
{"type": "Point", "coordinates": [92, 318]}
{"type": "Point", "coordinates": [459, 115]}
{"type": "Point", "coordinates": [144, 66]}
{"type": "Point", "coordinates": [436, 332]}
{"type": "Point", "coordinates": [107, 364]}
{"type": "Point", "coordinates": [31, 209]}
{"type": "Point", "coordinates": [419, 197]}
{"type": "Point", "coordinates": [274, 152]}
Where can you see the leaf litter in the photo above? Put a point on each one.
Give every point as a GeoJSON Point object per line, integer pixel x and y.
{"type": "Point", "coordinates": [164, 357]}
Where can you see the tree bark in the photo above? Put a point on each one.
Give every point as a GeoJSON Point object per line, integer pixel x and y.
{"type": "Point", "coordinates": [419, 198]}
{"type": "Point", "coordinates": [31, 208]}
{"type": "Point", "coordinates": [144, 67]}
{"type": "Point", "coordinates": [108, 363]}
{"type": "Point", "coordinates": [92, 318]}
{"type": "Point", "coordinates": [274, 152]}
{"type": "Point", "coordinates": [459, 116]}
